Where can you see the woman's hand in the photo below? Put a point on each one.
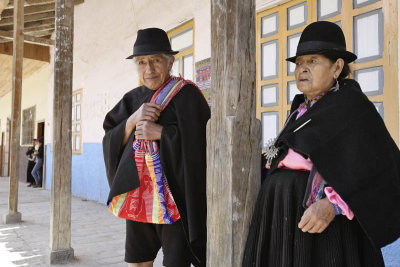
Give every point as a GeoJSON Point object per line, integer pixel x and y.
{"type": "Point", "coordinates": [148, 130]}
{"type": "Point", "coordinates": [317, 217]}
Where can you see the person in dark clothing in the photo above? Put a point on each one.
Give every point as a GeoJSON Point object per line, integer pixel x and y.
{"type": "Point", "coordinates": [155, 156]}
{"type": "Point", "coordinates": [31, 163]}
{"type": "Point", "coordinates": [38, 169]}
{"type": "Point", "coordinates": [332, 194]}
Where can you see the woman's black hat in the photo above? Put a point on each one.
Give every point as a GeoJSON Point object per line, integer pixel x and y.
{"type": "Point", "coordinates": [323, 37]}
{"type": "Point", "coordinates": [151, 41]}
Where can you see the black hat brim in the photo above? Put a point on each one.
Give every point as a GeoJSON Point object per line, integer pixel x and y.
{"type": "Point", "coordinates": [152, 53]}
{"type": "Point", "coordinates": [345, 55]}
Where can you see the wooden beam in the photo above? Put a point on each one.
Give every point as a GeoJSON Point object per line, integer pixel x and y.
{"type": "Point", "coordinates": [3, 5]}
{"type": "Point", "coordinates": [40, 2]}
{"type": "Point", "coordinates": [28, 39]}
{"type": "Point", "coordinates": [29, 10]}
{"type": "Point", "coordinates": [40, 34]}
{"type": "Point", "coordinates": [30, 25]}
{"type": "Point", "coordinates": [48, 27]}
{"type": "Point", "coordinates": [45, 27]}
{"type": "Point", "coordinates": [233, 132]}
{"type": "Point", "coordinates": [31, 51]}
{"type": "Point", "coordinates": [33, 2]}
{"type": "Point", "coordinates": [60, 214]}
{"type": "Point", "coordinates": [29, 18]}
{"type": "Point", "coordinates": [13, 215]}
{"type": "Point", "coordinates": [38, 40]}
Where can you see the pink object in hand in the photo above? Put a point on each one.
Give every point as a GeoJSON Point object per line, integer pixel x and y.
{"type": "Point", "coordinates": [295, 161]}
{"type": "Point", "coordinates": [334, 198]}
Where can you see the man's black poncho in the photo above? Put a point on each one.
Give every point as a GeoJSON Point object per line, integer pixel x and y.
{"type": "Point", "coordinates": [182, 151]}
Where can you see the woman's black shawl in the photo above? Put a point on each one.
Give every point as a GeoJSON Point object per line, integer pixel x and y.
{"type": "Point", "coordinates": [348, 143]}
{"type": "Point", "coordinates": [182, 151]}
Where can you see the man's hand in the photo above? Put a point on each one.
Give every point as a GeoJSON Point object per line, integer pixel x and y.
{"type": "Point", "coordinates": [317, 217]}
{"type": "Point", "coordinates": [147, 112]}
{"type": "Point", "coordinates": [148, 130]}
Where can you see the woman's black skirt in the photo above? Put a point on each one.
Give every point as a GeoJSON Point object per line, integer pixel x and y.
{"type": "Point", "coordinates": [275, 240]}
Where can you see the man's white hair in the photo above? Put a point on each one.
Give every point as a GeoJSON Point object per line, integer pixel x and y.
{"type": "Point", "coordinates": [168, 57]}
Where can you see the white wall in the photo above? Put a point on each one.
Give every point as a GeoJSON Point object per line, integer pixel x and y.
{"type": "Point", "coordinates": [34, 93]}
{"type": "Point", "coordinates": [104, 36]}
{"type": "Point", "coordinates": [5, 111]}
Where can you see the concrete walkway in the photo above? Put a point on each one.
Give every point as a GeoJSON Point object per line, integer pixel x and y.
{"type": "Point", "coordinates": [98, 238]}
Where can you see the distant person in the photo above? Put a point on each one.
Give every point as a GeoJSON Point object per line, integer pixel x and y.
{"type": "Point", "coordinates": [31, 163]}
{"type": "Point", "coordinates": [38, 169]}
{"type": "Point", "coordinates": [155, 156]}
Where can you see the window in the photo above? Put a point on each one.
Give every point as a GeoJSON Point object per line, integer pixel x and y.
{"type": "Point", "coordinates": [182, 40]}
{"type": "Point", "coordinates": [28, 125]}
{"type": "Point", "coordinates": [370, 28]}
{"type": "Point", "coordinates": [77, 122]}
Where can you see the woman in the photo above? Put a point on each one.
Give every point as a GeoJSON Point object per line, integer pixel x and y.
{"type": "Point", "coordinates": [332, 193]}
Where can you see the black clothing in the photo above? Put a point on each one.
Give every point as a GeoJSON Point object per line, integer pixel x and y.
{"type": "Point", "coordinates": [143, 241]}
{"type": "Point", "coordinates": [40, 152]}
{"type": "Point", "coordinates": [31, 164]}
{"type": "Point", "coordinates": [349, 145]}
{"type": "Point", "coordinates": [278, 241]}
{"type": "Point", "coordinates": [182, 151]}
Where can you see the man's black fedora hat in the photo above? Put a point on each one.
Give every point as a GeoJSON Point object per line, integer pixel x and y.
{"type": "Point", "coordinates": [151, 41]}
{"type": "Point", "coordinates": [323, 37]}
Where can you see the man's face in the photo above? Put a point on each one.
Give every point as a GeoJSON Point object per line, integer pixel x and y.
{"type": "Point", "coordinates": [153, 70]}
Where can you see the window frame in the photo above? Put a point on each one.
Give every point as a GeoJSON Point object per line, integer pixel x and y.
{"type": "Point", "coordinates": [390, 94]}
{"type": "Point", "coordinates": [27, 140]}
{"type": "Point", "coordinates": [75, 122]}
{"type": "Point", "coordinates": [179, 30]}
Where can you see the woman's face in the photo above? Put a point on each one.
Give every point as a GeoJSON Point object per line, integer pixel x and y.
{"type": "Point", "coordinates": [316, 74]}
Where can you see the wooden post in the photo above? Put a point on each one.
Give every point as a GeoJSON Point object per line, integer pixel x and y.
{"type": "Point", "coordinates": [13, 215]}
{"type": "Point", "coordinates": [60, 216]}
{"type": "Point", "coordinates": [233, 133]}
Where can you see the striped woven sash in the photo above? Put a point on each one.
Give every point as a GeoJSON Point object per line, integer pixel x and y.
{"type": "Point", "coordinates": [152, 201]}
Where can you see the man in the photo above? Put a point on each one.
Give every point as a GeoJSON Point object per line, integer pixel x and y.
{"type": "Point", "coordinates": [155, 156]}
{"type": "Point", "coordinates": [31, 163]}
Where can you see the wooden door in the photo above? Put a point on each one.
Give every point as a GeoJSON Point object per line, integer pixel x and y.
{"type": "Point", "coordinates": [6, 161]}
{"type": "Point", "coordinates": [40, 130]}
{"type": "Point", "coordinates": [1, 153]}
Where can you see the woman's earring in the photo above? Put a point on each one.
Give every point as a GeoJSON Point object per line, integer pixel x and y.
{"type": "Point", "coordinates": [336, 87]}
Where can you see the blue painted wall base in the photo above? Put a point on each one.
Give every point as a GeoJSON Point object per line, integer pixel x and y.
{"type": "Point", "coordinates": [89, 178]}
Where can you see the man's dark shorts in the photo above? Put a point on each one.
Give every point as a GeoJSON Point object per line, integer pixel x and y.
{"type": "Point", "coordinates": [144, 240]}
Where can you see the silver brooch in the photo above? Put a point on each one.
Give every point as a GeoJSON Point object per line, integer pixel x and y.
{"type": "Point", "coordinates": [271, 151]}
